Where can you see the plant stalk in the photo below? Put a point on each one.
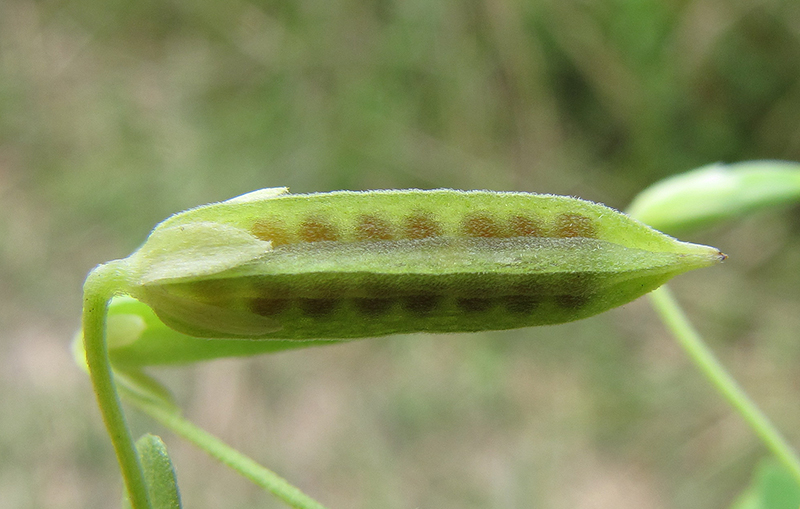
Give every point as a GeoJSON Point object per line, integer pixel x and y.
{"type": "Point", "coordinates": [261, 476]}
{"type": "Point", "coordinates": [101, 284]}
{"type": "Point", "coordinates": [691, 341]}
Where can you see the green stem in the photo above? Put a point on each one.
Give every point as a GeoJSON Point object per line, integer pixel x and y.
{"type": "Point", "coordinates": [691, 341]}
{"type": "Point", "coordinates": [261, 476]}
{"type": "Point", "coordinates": [101, 284]}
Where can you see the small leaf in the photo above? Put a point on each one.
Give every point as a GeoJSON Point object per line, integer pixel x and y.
{"type": "Point", "coordinates": [773, 487]}
{"type": "Point", "coordinates": [156, 344]}
{"type": "Point", "coordinates": [159, 473]}
{"type": "Point", "coordinates": [715, 193]}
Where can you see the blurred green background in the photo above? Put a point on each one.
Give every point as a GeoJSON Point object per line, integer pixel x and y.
{"type": "Point", "coordinates": [115, 114]}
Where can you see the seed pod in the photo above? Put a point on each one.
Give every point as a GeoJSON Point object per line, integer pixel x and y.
{"type": "Point", "coordinates": [357, 264]}
{"type": "Point", "coordinates": [716, 193]}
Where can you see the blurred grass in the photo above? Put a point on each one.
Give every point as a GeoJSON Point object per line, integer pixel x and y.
{"type": "Point", "coordinates": [115, 114]}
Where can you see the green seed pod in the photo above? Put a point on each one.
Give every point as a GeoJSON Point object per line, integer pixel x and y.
{"type": "Point", "coordinates": [345, 264]}
{"type": "Point", "coordinates": [716, 193]}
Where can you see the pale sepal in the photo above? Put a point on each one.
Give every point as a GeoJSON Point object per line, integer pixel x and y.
{"type": "Point", "coordinates": [258, 195]}
{"type": "Point", "coordinates": [193, 250]}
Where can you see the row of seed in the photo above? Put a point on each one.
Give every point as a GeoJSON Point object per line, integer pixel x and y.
{"type": "Point", "coordinates": [420, 225]}
{"type": "Point", "coordinates": [416, 305]}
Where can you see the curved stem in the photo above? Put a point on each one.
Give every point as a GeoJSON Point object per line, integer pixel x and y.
{"type": "Point", "coordinates": [267, 479]}
{"type": "Point", "coordinates": [101, 284]}
{"type": "Point", "coordinates": [691, 341]}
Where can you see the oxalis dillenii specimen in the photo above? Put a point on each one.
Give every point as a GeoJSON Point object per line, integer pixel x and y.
{"type": "Point", "coordinates": [271, 267]}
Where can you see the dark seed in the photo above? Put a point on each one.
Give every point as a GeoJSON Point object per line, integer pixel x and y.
{"type": "Point", "coordinates": [522, 226]}
{"type": "Point", "coordinates": [575, 225]}
{"type": "Point", "coordinates": [269, 307]}
{"type": "Point", "coordinates": [521, 304]}
{"type": "Point", "coordinates": [481, 225]}
{"type": "Point", "coordinates": [272, 230]}
{"type": "Point", "coordinates": [474, 305]}
{"type": "Point", "coordinates": [373, 307]}
{"type": "Point", "coordinates": [421, 304]}
{"type": "Point", "coordinates": [317, 307]}
{"type": "Point", "coordinates": [373, 228]}
{"type": "Point", "coordinates": [315, 229]}
{"type": "Point", "coordinates": [421, 226]}
{"type": "Point", "coordinates": [571, 301]}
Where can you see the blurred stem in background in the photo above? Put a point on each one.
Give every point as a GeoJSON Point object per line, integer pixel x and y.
{"type": "Point", "coordinates": [693, 344]}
